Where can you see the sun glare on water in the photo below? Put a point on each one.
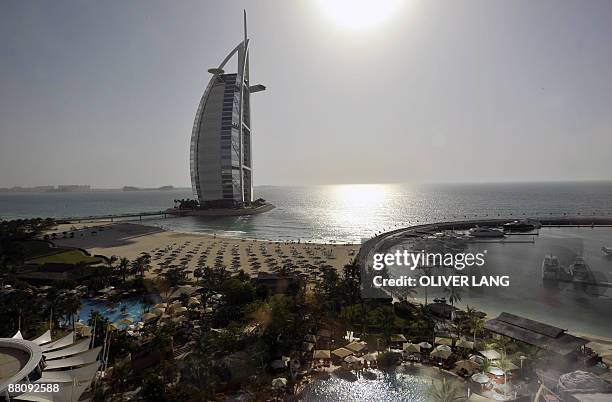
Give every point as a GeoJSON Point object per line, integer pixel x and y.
{"type": "Point", "coordinates": [359, 14]}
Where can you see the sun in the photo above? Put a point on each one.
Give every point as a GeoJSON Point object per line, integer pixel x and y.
{"type": "Point", "coordinates": [359, 14]}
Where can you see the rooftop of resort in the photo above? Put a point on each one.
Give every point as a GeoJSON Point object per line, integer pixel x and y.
{"type": "Point", "coordinates": [18, 359]}
{"type": "Point", "coordinates": [535, 333]}
{"type": "Point", "coordinates": [67, 361]}
{"type": "Point", "coordinates": [11, 361]}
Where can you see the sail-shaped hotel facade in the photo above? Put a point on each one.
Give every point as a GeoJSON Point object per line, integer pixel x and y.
{"type": "Point", "coordinates": [221, 154]}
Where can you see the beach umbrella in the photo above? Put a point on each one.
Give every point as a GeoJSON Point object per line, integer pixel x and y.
{"type": "Point", "coordinates": [177, 308]}
{"type": "Point", "coordinates": [511, 366]}
{"type": "Point", "coordinates": [425, 345]}
{"type": "Point", "coordinates": [279, 383]}
{"type": "Point", "coordinates": [412, 348]}
{"type": "Point", "coordinates": [478, 359]}
{"type": "Point", "coordinates": [352, 359]}
{"type": "Point", "coordinates": [480, 378]}
{"type": "Point", "coordinates": [178, 320]}
{"type": "Point", "coordinates": [148, 316]}
{"type": "Point", "coordinates": [468, 365]}
{"type": "Point", "coordinates": [444, 348]}
{"type": "Point", "coordinates": [490, 354]}
{"type": "Point", "coordinates": [443, 341]}
{"type": "Point", "coordinates": [442, 354]}
{"type": "Point", "coordinates": [462, 343]}
{"type": "Point", "coordinates": [496, 371]}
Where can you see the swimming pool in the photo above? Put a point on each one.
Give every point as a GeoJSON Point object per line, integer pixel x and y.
{"type": "Point", "coordinates": [404, 383]}
{"type": "Point", "coordinates": [132, 307]}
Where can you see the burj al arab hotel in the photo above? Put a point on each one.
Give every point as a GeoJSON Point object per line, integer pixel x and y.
{"type": "Point", "coordinates": [220, 155]}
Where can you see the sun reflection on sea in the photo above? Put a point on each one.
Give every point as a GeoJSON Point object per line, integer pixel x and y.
{"type": "Point", "coordinates": [358, 205]}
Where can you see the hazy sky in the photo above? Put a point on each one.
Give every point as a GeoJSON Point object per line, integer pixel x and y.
{"type": "Point", "coordinates": [105, 92]}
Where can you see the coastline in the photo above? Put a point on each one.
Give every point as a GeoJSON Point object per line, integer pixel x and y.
{"type": "Point", "coordinates": [130, 240]}
{"type": "Point", "coordinates": [166, 247]}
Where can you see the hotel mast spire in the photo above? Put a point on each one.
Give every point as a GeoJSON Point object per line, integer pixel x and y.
{"type": "Point", "coordinates": [245, 26]}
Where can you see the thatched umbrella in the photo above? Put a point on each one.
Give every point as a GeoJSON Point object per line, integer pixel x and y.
{"type": "Point", "coordinates": [148, 316]}
{"type": "Point", "coordinates": [480, 378]}
{"type": "Point", "coordinates": [468, 365]}
{"type": "Point", "coordinates": [158, 311]}
{"type": "Point", "coordinates": [441, 353]}
{"type": "Point", "coordinates": [490, 354]}
{"type": "Point", "coordinates": [412, 348]}
{"type": "Point", "coordinates": [352, 359]}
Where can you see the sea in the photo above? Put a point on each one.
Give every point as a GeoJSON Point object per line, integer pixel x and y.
{"type": "Point", "coordinates": [345, 213]}
{"type": "Point", "coordinates": [352, 213]}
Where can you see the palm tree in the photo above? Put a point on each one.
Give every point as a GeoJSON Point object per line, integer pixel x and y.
{"type": "Point", "coordinates": [445, 391]}
{"type": "Point", "coordinates": [486, 365]}
{"type": "Point", "coordinates": [384, 319]}
{"type": "Point", "coordinates": [475, 323]}
{"type": "Point", "coordinates": [454, 294]}
{"type": "Point", "coordinates": [145, 263]}
{"type": "Point", "coordinates": [426, 272]}
{"type": "Point", "coordinates": [123, 267]}
{"type": "Point", "coordinates": [505, 364]}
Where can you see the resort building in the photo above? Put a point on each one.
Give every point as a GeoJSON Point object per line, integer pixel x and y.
{"type": "Point", "coordinates": [220, 155]}
{"type": "Point", "coordinates": [69, 363]}
{"type": "Point", "coordinates": [537, 334]}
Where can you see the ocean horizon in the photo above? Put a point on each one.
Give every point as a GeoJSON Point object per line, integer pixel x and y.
{"type": "Point", "coordinates": [331, 213]}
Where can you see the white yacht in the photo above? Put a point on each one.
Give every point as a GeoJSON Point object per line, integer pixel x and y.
{"type": "Point", "coordinates": [607, 250]}
{"type": "Point", "coordinates": [523, 225]}
{"type": "Point", "coordinates": [485, 232]}
{"type": "Point", "coordinates": [551, 269]}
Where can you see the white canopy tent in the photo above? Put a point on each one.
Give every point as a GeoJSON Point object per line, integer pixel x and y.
{"type": "Point", "coordinates": [18, 335]}
{"type": "Point", "coordinates": [77, 360]}
{"type": "Point", "coordinates": [80, 346]}
{"type": "Point", "coordinates": [82, 373]}
{"type": "Point", "coordinates": [60, 343]}
{"type": "Point", "coordinates": [44, 338]}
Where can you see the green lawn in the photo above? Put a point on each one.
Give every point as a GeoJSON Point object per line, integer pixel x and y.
{"type": "Point", "coordinates": [36, 248]}
{"type": "Point", "coordinates": [65, 257]}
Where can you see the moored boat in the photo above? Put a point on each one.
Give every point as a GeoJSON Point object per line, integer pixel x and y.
{"type": "Point", "coordinates": [551, 269]}
{"type": "Point", "coordinates": [579, 270]}
{"type": "Point", "coordinates": [479, 231]}
{"type": "Point", "coordinates": [523, 225]}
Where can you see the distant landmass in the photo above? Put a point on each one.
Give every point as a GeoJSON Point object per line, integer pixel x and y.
{"type": "Point", "coordinates": [70, 188]}
{"type": "Point", "coordinates": [76, 188]}
{"type": "Point", "coordinates": [131, 188]}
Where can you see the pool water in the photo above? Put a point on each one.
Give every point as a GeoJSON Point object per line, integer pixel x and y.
{"type": "Point", "coordinates": [132, 307]}
{"type": "Point", "coordinates": [404, 383]}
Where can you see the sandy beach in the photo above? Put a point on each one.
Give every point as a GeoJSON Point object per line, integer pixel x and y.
{"type": "Point", "coordinates": [192, 250]}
